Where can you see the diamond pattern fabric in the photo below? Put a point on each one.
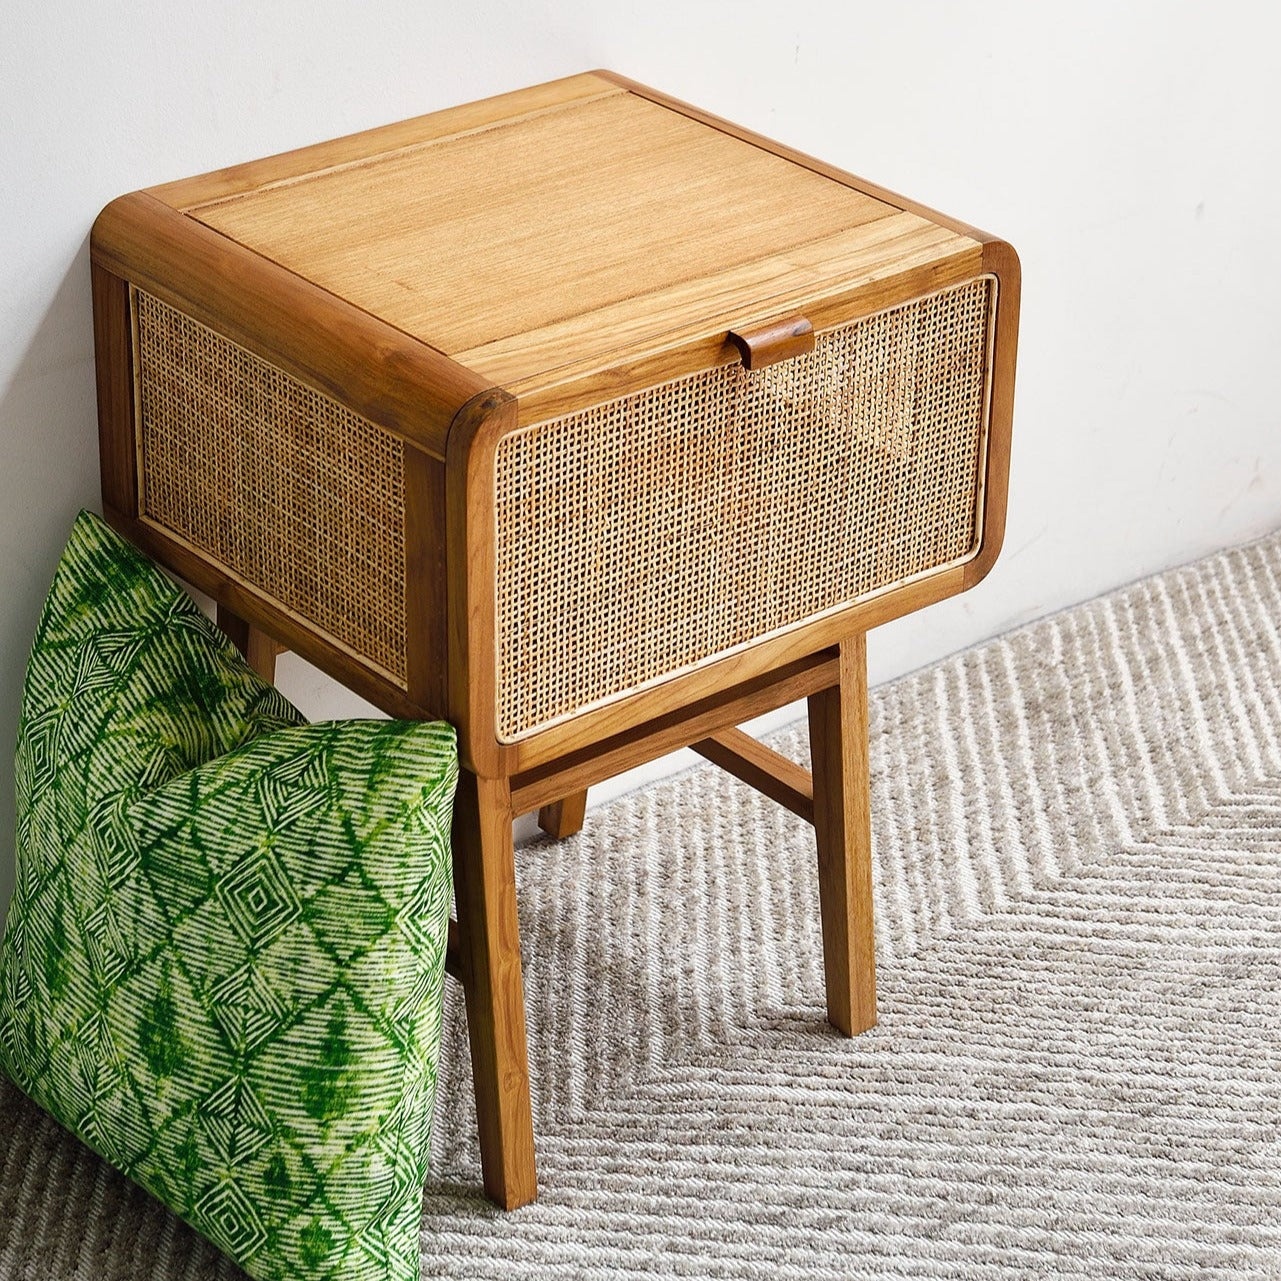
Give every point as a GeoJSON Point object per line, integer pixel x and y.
{"type": "Point", "coordinates": [225, 953]}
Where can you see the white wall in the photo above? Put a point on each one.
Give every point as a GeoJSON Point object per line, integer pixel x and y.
{"type": "Point", "coordinates": [1129, 152]}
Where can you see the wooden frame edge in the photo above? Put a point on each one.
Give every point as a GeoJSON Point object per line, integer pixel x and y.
{"type": "Point", "coordinates": [569, 389]}
{"type": "Point", "coordinates": [769, 772]}
{"type": "Point", "coordinates": [999, 259]}
{"type": "Point", "coordinates": [753, 661]}
{"type": "Point", "coordinates": [875, 190]}
{"type": "Point", "coordinates": [470, 555]}
{"type": "Point", "coordinates": [426, 598]}
{"type": "Point", "coordinates": [397, 382]}
{"type": "Point", "coordinates": [257, 609]}
{"type": "Point", "coordinates": [117, 404]}
{"type": "Point", "coordinates": [681, 726]}
{"type": "Point", "coordinates": [231, 181]}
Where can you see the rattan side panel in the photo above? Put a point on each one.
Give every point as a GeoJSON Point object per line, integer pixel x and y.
{"type": "Point", "coordinates": [641, 537]}
{"type": "Point", "coordinates": [275, 481]}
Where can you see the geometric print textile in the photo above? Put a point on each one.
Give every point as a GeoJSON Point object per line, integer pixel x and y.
{"type": "Point", "coordinates": [224, 957]}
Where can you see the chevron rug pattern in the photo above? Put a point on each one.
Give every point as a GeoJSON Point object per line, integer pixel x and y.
{"type": "Point", "coordinates": [1077, 1072]}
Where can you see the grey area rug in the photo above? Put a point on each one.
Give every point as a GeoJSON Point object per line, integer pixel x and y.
{"type": "Point", "coordinates": [1077, 1071]}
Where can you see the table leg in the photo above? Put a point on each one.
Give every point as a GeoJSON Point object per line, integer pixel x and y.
{"type": "Point", "coordinates": [564, 817]}
{"type": "Point", "coordinates": [842, 828]}
{"type": "Point", "coordinates": [258, 648]}
{"type": "Point", "coordinates": [489, 934]}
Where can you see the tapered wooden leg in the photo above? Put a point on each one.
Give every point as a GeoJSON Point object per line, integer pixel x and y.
{"type": "Point", "coordinates": [258, 648]}
{"type": "Point", "coordinates": [842, 827]}
{"type": "Point", "coordinates": [564, 817]}
{"type": "Point", "coordinates": [489, 935]}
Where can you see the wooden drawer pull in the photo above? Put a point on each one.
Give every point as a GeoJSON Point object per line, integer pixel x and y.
{"type": "Point", "coordinates": [780, 341]}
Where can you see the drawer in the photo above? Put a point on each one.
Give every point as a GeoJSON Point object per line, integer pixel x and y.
{"type": "Point", "coordinates": [644, 537]}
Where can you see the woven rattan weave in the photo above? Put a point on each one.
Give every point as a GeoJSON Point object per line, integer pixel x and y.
{"type": "Point", "coordinates": [659, 530]}
{"type": "Point", "coordinates": [286, 487]}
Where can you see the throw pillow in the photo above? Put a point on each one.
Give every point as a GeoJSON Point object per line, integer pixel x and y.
{"type": "Point", "coordinates": [223, 962]}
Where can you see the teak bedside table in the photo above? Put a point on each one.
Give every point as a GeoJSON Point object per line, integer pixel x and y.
{"type": "Point", "coordinates": [585, 420]}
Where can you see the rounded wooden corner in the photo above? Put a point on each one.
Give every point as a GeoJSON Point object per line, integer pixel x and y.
{"type": "Point", "coordinates": [398, 383]}
{"type": "Point", "coordinates": [484, 757]}
{"type": "Point", "coordinates": [614, 77]}
{"type": "Point", "coordinates": [110, 227]}
{"type": "Point", "coordinates": [989, 552]}
{"type": "Point", "coordinates": [1001, 260]}
{"type": "Point", "coordinates": [477, 425]}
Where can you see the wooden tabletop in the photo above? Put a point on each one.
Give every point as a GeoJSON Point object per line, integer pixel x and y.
{"type": "Point", "coordinates": [551, 233]}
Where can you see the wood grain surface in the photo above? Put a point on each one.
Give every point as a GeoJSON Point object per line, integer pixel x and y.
{"type": "Point", "coordinates": [113, 364]}
{"type": "Point", "coordinates": [489, 953]}
{"type": "Point", "coordinates": [563, 236]}
{"type": "Point", "coordinates": [843, 833]}
{"type": "Point", "coordinates": [474, 238]}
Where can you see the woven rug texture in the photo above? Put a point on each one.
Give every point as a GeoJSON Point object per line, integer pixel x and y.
{"type": "Point", "coordinates": [1077, 1069]}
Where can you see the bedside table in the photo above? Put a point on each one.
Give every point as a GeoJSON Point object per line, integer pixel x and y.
{"type": "Point", "coordinates": [586, 420]}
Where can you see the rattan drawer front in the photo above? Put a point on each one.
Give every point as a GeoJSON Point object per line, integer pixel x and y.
{"type": "Point", "coordinates": [642, 537]}
{"type": "Point", "coordinates": [280, 484]}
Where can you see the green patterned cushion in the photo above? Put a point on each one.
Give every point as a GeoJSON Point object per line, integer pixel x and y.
{"type": "Point", "coordinates": [224, 957]}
